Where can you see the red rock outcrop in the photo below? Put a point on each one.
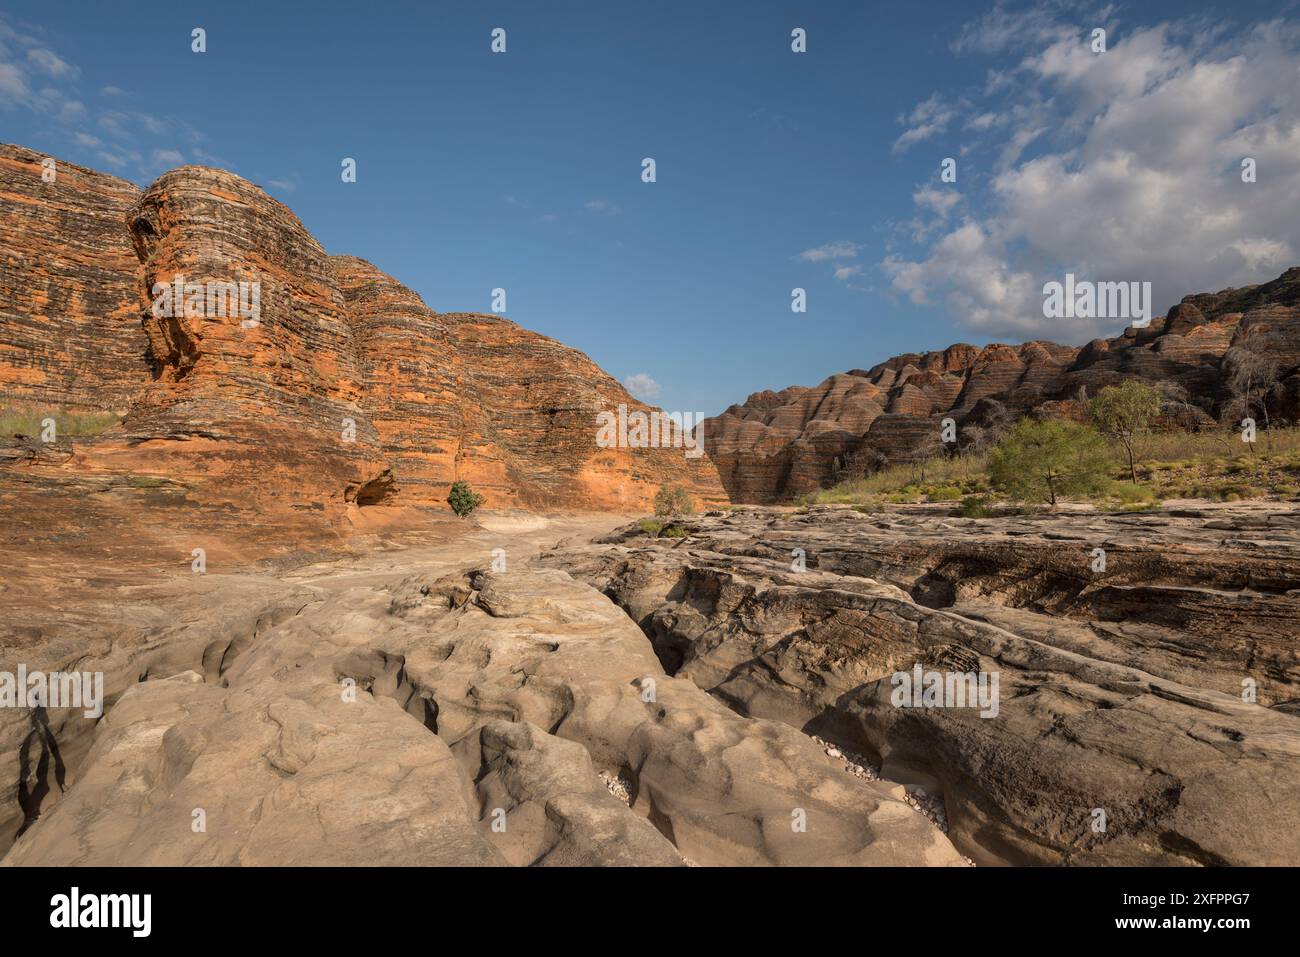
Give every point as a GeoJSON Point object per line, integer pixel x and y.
{"type": "Point", "coordinates": [69, 319]}
{"type": "Point", "coordinates": [476, 397]}
{"type": "Point", "coordinates": [258, 375]}
{"type": "Point", "coordinates": [777, 445]}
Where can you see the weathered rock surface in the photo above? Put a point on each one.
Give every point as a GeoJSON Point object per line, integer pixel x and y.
{"type": "Point", "coordinates": [777, 445]}
{"type": "Point", "coordinates": [448, 716]}
{"type": "Point", "coordinates": [1124, 690]}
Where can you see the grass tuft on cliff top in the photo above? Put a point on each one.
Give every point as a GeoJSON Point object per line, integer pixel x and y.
{"type": "Point", "coordinates": [27, 418]}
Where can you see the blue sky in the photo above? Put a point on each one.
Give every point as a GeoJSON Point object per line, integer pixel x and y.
{"type": "Point", "coordinates": [775, 170]}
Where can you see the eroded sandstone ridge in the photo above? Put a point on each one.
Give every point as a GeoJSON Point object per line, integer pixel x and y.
{"type": "Point", "coordinates": [777, 445]}
{"type": "Point", "coordinates": [343, 390]}
{"type": "Point", "coordinates": [477, 397]}
{"type": "Point", "coordinates": [1147, 714]}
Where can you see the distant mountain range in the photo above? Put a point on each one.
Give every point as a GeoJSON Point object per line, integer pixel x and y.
{"type": "Point", "coordinates": [776, 445]}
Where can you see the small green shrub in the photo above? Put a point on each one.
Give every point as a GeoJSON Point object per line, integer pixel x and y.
{"type": "Point", "coordinates": [1133, 494]}
{"type": "Point", "coordinates": [944, 493]}
{"type": "Point", "coordinates": [1142, 507]}
{"type": "Point", "coordinates": [463, 499]}
{"type": "Point", "coordinates": [650, 526]}
{"type": "Point", "coordinates": [673, 500]}
{"type": "Point", "coordinates": [974, 506]}
{"type": "Point", "coordinates": [675, 531]}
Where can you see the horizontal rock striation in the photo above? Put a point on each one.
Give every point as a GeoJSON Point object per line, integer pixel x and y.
{"type": "Point", "coordinates": [777, 445]}
{"type": "Point", "coordinates": [281, 378]}
{"type": "Point", "coordinates": [69, 295]}
{"type": "Point", "coordinates": [476, 397]}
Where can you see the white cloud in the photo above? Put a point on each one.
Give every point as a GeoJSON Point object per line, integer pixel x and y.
{"type": "Point", "coordinates": [929, 118]}
{"type": "Point", "coordinates": [13, 86]}
{"type": "Point", "coordinates": [642, 386]}
{"type": "Point", "coordinates": [119, 159]}
{"type": "Point", "coordinates": [845, 272]}
{"type": "Point", "coordinates": [1118, 166]}
{"type": "Point", "coordinates": [940, 201]}
{"type": "Point", "coordinates": [166, 158]}
{"type": "Point", "coordinates": [985, 121]}
{"type": "Point", "coordinates": [601, 206]}
{"type": "Point", "coordinates": [1004, 27]}
{"type": "Point", "coordinates": [840, 249]}
{"type": "Point", "coordinates": [51, 64]}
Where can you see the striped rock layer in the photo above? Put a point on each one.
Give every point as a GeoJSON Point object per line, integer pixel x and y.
{"type": "Point", "coordinates": [340, 387]}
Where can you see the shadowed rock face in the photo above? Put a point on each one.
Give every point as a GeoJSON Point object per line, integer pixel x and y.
{"type": "Point", "coordinates": [346, 390]}
{"type": "Point", "coordinates": [1123, 690]}
{"type": "Point", "coordinates": [777, 445]}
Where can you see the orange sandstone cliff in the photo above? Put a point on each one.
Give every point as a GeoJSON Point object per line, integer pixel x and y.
{"type": "Point", "coordinates": [338, 391]}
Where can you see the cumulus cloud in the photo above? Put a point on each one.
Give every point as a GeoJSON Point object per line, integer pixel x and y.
{"type": "Point", "coordinates": [643, 387]}
{"type": "Point", "coordinates": [1118, 166]}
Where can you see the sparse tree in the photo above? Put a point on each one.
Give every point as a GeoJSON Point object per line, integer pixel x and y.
{"type": "Point", "coordinates": [1176, 402]}
{"type": "Point", "coordinates": [1252, 379]}
{"type": "Point", "coordinates": [1040, 461]}
{"type": "Point", "coordinates": [673, 500]}
{"type": "Point", "coordinates": [927, 447]}
{"type": "Point", "coordinates": [994, 421]}
{"type": "Point", "coordinates": [861, 462]}
{"type": "Point", "coordinates": [1125, 412]}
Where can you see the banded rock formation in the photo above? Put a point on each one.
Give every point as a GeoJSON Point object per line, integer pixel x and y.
{"type": "Point", "coordinates": [511, 411]}
{"type": "Point", "coordinates": [346, 389]}
{"type": "Point", "coordinates": [777, 445]}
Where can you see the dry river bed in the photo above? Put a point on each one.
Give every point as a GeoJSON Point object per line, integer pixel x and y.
{"type": "Point", "coordinates": [575, 691]}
